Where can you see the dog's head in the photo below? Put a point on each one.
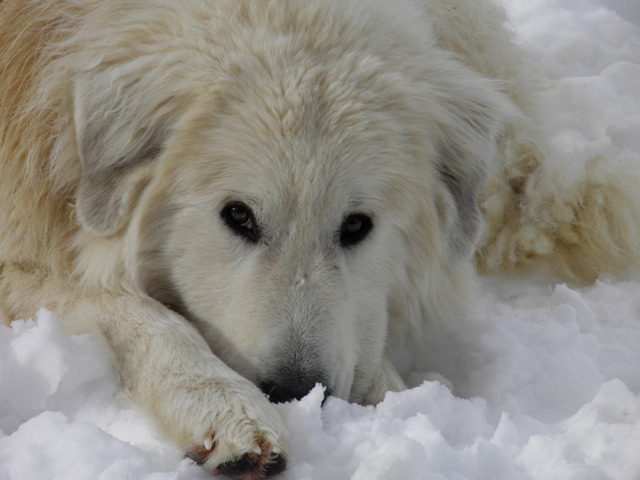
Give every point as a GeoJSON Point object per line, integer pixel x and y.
{"type": "Point", "coordinates": [290, 201]}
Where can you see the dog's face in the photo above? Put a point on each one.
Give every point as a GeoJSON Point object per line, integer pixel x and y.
{"type": "Point", "coordinates": [288, 212]}
{"type": "Point", "coordinates": [283, 231]}
{"type": "Point", "coordinates": [283, 261]}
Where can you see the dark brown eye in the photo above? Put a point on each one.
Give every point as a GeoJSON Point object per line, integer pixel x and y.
{"type": "Point", "coordinates": [353, 224]}
{"type": "Point", "coordinates": [241, 216]}
{"type": "Point", "coordinates": [240, 219]}
{"type": "Point", "coordinates": [354, 229]}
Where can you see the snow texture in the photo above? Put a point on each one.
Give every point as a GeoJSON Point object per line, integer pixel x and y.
{"type": "Point", "coordinates": [543, 384]}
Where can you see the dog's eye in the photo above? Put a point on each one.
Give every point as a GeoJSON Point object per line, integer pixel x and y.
{"type": "Point", "coordinates": [240, 219]}
{"type": "Point", "coordinates": [354, 229]}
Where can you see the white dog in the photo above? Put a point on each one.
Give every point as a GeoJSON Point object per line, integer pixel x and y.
{"type": "Point", "coordinates": [244, 196]}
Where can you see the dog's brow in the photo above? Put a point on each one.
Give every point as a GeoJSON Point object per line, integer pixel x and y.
{"type": "Point", "coordinates": [237, 194]}
{"type": "Point", "coordinates": [367, 203]}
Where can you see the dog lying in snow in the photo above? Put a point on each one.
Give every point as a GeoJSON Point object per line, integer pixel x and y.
{"type": "Point", "coordinates": [244, 196]}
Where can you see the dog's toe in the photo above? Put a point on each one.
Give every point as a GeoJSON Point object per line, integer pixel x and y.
{"type": "Point", "coordinates": [276, 465]}
{"type": "Point", "coordinates": [238, 467]}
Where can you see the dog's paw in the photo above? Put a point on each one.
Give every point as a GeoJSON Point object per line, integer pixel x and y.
{"type": "Point", "coordinates": [263, 462]}
{"type": "Point", "coordinates": [241, 436]}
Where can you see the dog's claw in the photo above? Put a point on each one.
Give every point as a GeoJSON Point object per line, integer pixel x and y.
{"type": "Point", "coordinates": [198, 455]}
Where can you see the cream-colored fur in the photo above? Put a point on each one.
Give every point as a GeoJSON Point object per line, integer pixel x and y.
{"type": "Point", "coordinates": [128, 129]}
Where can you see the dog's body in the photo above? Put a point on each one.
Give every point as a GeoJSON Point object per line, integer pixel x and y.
{"type": "Point", "coordinates": [241, 193]}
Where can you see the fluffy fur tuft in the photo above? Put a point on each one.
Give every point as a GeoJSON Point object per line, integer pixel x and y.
{"type": "Point", "coordinates": [582, 231]}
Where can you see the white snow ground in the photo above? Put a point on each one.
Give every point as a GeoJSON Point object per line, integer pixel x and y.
{"type": "Point", "coordinates": [546, 380]}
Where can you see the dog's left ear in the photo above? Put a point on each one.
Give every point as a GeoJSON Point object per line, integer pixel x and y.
{"type": "Point", "coordinates": [469, 132]}
{"type": "Point", "coordinates": [120, 128]}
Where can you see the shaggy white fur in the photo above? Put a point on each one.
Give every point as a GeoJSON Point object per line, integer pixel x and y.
{"type": "Point", "coordinates": [251, 194]}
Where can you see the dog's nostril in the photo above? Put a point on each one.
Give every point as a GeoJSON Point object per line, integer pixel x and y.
{"type": "Point", "coordinates": [278, 393]}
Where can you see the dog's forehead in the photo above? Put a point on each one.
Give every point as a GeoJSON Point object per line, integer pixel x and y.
{"type": "Point", "coordinates": [335, 161]}
{"type": "Point", "coordinates": [306, 177]}
{"type": "Point", "coordinates": [301, 134]}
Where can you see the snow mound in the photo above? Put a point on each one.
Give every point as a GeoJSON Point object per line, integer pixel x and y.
{"type": "Point", "coordinates": [546, 383]}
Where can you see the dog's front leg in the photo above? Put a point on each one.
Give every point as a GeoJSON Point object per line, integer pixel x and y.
{"type": "Point", "coordinates": [221, 419]}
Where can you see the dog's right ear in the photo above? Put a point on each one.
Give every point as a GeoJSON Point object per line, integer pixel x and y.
{"type": "Point", "coordinates": [120, 129]}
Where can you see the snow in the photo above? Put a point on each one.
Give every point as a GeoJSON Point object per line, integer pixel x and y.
{"type": "Point", "coordinates": [544, 382]}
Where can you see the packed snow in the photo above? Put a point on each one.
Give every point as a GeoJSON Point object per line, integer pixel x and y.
{"type": "Point", "coordinates": [543, 383]}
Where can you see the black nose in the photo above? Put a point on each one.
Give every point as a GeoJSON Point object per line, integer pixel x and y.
{"type": "Point", "coordinates": [282, 393]}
